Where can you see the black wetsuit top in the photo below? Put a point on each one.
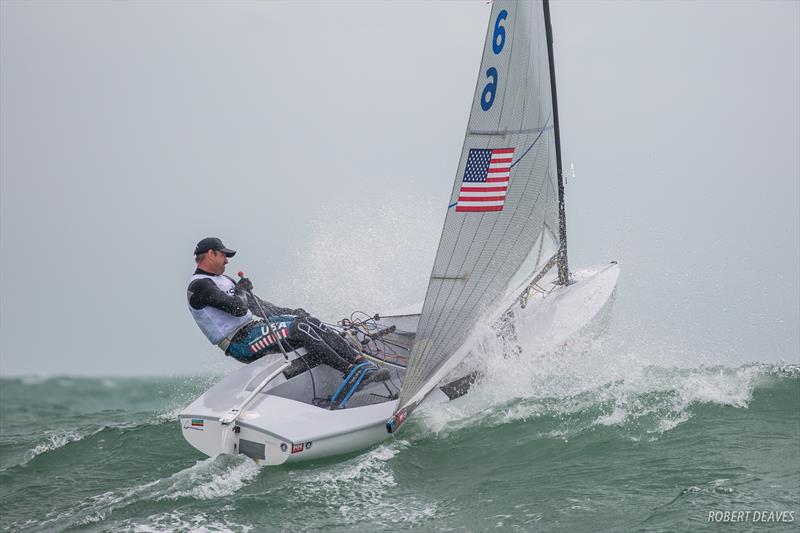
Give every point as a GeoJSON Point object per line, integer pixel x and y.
{"type": "Point", "coordinates": [203, 292]}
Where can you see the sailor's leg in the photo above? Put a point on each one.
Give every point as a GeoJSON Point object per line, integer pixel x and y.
{"type": "Point", "coordinates": [319, 351]}
{"type": "Point", "coordinates": [300, 365]}
{"type": "Point", "coordinates": [333, 339]}
{"type": "Point", "coordinates": [250, 343]}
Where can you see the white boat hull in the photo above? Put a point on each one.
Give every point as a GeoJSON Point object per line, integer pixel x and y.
{"type": "Point", "coordinates": [280, 425]}
{"type": "Point", "coordinates": [271, 441]}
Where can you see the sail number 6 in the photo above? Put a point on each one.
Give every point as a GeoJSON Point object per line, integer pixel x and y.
{"type": "Point", "coordinates": [498, 42]}
{"type": "Point", "coordinates": [487, 97]}
{"type": "Point", "coordinates": [499, 38]}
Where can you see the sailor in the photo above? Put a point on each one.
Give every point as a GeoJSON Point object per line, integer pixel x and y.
{"type": "Point", "coordinates": [246, 327]}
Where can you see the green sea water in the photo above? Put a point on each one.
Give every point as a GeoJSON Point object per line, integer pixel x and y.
{"type": "Point", "coordinates": [542, 449]}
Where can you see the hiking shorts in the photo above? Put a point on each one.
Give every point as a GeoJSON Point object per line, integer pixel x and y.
{"type": "Point", "coordinates": [258, 338]}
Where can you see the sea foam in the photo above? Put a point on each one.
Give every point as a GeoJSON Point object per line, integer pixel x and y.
{"type": "Point", "coordinates": [358, 490]}
{"type": "Point", "coordinates": [591, 384]}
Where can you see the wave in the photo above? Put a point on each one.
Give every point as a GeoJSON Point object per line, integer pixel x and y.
{"type": "Point", "coordinates": [592, 387]}
{"type": "Point", "coordinates": [178, 520]}
{"type": "Point", "coordinates": [50, 414]}
{"type": "Point", "coordinates": [56, 440]}
{"type": "Point", "coordinates": [205, 479]}
{"type": "Point", "coordinates": [358, 489]}
{"type": "Point", "coordinates": [344, 494]}
{"type": "Point", "coordinates": [142, 476]}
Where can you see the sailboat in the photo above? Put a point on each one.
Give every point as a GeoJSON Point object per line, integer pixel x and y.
{"type": "Point", "coordinates": [501, 260]}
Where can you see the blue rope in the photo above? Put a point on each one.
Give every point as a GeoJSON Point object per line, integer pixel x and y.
{"type": "Point", "coordinates": [350, 375]}
{"type": "Point", "coordinates": [354, 387]}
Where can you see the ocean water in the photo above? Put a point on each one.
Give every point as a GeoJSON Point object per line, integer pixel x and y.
{"type": "Point", "coordinates": [572, 442]}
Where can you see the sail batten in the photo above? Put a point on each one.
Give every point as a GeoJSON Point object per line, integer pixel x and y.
{"type": "Point", "coordinates": [508, 132]}
{"type": "Point", "coordinates": [503, 207]}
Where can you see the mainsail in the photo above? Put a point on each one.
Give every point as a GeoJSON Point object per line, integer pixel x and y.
{"type": "Point", "coordinates": [502, 223]}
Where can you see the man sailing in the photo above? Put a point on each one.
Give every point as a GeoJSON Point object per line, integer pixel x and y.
{"type": "Point", "coordinates": [247, 328]}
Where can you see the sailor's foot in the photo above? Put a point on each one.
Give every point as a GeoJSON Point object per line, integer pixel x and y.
{"type": "Point", "coordinates": [375, 376]}
{"type": "Point", "coordinates": [371, 374]}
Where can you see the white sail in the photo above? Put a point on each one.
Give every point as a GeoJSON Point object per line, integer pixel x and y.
{"type": "Point", "coordinates": [502, 223]}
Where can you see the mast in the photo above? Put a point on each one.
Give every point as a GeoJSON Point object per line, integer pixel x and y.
{"type": "Point", "coordinates": [563, 268]}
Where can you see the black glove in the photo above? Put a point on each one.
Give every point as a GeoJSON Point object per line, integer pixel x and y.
{"type": "Point", "coordinates": [243, 285]}
{"type": "Point", "coordinates": [300, 312]}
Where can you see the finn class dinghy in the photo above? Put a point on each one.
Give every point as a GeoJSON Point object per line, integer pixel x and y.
{"type": "Point", "coordinates": [502, 260]}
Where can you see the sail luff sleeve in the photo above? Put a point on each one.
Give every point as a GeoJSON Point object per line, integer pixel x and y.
{"type": "Point", "coordinates": [563, 264]}
{"type": "Point", "coordinates": [498, 227]}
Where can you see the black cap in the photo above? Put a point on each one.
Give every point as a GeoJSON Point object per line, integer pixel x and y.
{"type": "Point", "coordinates": [212, 243]}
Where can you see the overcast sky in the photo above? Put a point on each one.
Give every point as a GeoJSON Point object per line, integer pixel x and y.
{"type": "Point", "coordinates": [321, 140]}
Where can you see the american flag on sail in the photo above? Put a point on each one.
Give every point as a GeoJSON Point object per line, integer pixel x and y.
{"type": "Point", "coordinates": [485, 179]}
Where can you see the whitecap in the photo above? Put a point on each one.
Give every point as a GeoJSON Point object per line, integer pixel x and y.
{"type": "Point", "coordinates": [177, 521]}
{"type": "Point", "coordinates": [358, 490]}
{"type": "Point", "coordinates": [206, 479]}
{"type": "Point", "coordinates": [210, 478]}
{"type": "Point", "coordinates": [55, 440]}
{"type": "Point", "coordinates": [629, 389]}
